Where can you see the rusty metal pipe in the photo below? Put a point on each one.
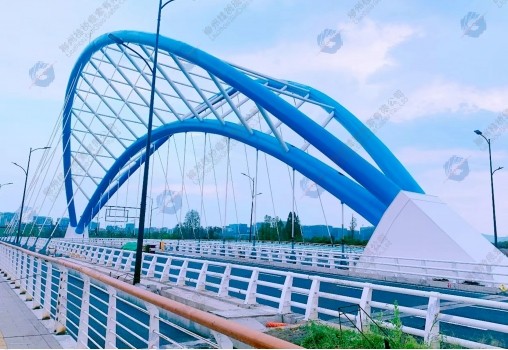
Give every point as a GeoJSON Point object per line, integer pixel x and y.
{"type": "Point", "coordinates": [234, 330]}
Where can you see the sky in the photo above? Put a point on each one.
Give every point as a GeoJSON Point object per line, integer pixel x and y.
{"type": "Point", "coordinates": [449, 61]}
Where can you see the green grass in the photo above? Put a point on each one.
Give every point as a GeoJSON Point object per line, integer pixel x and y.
{"type": "Point", "coordinates": [320, 336]}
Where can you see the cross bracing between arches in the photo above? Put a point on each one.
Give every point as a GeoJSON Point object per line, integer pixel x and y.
{"type": "Point", "coordinates": [107, 116]}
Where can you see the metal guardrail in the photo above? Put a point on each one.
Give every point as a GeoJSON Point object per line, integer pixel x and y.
{"type": "Point", "coordinates": [103, 312]}
{"type": "Point", "coordinates": [333, 260]}
{"type": "Point", "coordinates": [314, 297]}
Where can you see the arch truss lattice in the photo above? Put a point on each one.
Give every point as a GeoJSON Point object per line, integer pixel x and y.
{"type": "Point", "coordinates": [106, 111]}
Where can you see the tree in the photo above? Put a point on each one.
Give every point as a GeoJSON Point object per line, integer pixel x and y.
{"type": "Point", "coordinates": [191, 224]}
{"type": "Point", "coordinates": [288, 228]}
{"type": "Point", "coordinates": [264, 233]}
{"type": "Point", "coordinates": [352, 226]}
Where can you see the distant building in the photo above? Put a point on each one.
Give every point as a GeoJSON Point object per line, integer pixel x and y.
{"type": "Point", "coordinates": [111, 228]}
{"type": "Point", "coordinates": [130, 228]}
{"type": "Point", "coordinates": [236, 230]}
{"type": "Point", "coordinates": [93, 226]}
{"type": "Point", "coordinates": [366, 232]}
{"type": "Point", "coordinates": [6, 218]}
{"type": "Point", "coordinates": [63, 223]}
{"type": "Point", "coordinates": [42, 221]}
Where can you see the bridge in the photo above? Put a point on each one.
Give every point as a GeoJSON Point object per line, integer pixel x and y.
{"type": "Point", "coordinates": [215, 123]}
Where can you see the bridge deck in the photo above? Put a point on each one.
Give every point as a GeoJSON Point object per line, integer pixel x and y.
{"type": "Point", "coordinates": [19, 327]}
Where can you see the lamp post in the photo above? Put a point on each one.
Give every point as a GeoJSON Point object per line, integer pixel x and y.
{"type": "Point", "coordinates": [478, 132]}
{"type": "Point", "coordinates": [24, 189]}
{"type": "Point", "coordinates": [151, 213]}
{"type": "Point", "coordinates": [252, 208]}
{"type": "Point", "coordinates": [144, 190]}
{"type": "Point", "coordinates": [342, 228]}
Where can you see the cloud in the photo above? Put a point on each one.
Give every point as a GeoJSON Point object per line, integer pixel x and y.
{"type": "Point", "coordinates": [470, 197]}
{"type": "Point", "coordinates": [366, 50]}
{"type": "Point", "coordinates": [440, 97]}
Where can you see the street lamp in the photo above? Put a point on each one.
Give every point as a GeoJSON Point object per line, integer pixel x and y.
{"type": "Point", "coordinates": [144, 190]}
{"type": "Point", "coordinates": [24, 190]}
{"type": "Point", "coordinates": [8, 183]}
{"type": "Point", "coordinates": [478, 132]}
{"type": "Point", "coordinates": [252, 208]}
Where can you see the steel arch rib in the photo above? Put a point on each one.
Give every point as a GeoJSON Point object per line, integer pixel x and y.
{"type": "Point", "coordinates": [381, 186]}
{"type": "Point", "coordinates": [354, 195]}
{"type": "Point", "coordinates": [383, 157]}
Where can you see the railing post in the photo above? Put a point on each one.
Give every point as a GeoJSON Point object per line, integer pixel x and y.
{"type": "Point", "coordinates": [111, 322]}
{"type": "Point", "coordinates": [285, 298]}
{"type": "Point", "coordinates": [331, 261]}
{"type": "Point", "coordinates": [61, 304]}
{"type": "Point", "coordinates": [183, 273]}
{"type": "Point", "coordinates": [47, 292]}
{"type": "Point", "coordinates": [118, 262]}
{"type": "Point", "coordinates": [431, 337]}
{"type": "Point", "coordinates": [166, 270]}
{"type": "Point", "coordinates": [89, 254]}
{"type": "Point", "coordinates": [109, 261]}
{"type": "Point", "coordinates": [362, 321]}
{"type": "Point", "coordinates": [311, 312]}
{"type": "Point", "coordinates": [314, 259]}
{"type": "Point", "coordinates": [102, 259]}
{"type": "Point", "coordinates": [151, 268]}
{"type": "Point", "coordinates": [23, 273]}
{"type": "Point", "coordinates": [38, 286]}
{"type": "Point", "coordinates": [128, 264]}
{"type": "Point", "coordinates": [224, 282]}
{"type": "Point", "coordinates": [82, 341]}
{"type": "Point", "coordinates": [201, 282]}
{"type": "Point", "coordinates": [30, 278]}
{"type": "Point", "coordinates": [250, 297]}
{"type": "Point", "coordinates": [153, 330]}
{"type": "Point", "coordinates": [17, 275]}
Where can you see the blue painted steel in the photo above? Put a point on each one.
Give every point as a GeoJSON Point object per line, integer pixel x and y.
{"type": "Point", "coordinates": [350, 192]}
{"type": "Point", "coordinates": [375, 182]}
{"type": "Point", "coordinates": [383, 157]}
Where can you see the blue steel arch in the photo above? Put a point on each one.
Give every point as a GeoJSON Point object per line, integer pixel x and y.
{"type": "Point", "coordinates": [338, 185]}
{"type": "Point", "coordinates": [382, 187]}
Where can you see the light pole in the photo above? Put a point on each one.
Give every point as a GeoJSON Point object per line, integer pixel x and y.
{"type": "Point", "coordinates": [342, 227]}
{"type": "Point", "coordinates": [252, 208]}
{"type": "Point", "coordinates": [24, 189]}
{"type": "Point", "coordinates": [144, 190]}
{"type": "Point", "coordinates": [151, 213]}
{"type": "Point", "coordinates": [478, 132]}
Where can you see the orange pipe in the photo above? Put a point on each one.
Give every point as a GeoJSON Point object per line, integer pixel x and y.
{"type": "Point", "coordinates": [234, 330]}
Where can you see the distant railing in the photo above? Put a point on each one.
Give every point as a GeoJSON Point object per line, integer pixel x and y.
{"type": "Point", "coordinates": [333, 260]}
{"type": "Point", "coordinates": [315, 297]}
{"type": "Point", "coordinates": [99, 311]}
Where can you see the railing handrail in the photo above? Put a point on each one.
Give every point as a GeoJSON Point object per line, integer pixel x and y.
{"type": "Point", "coordinates": [237, 331]}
